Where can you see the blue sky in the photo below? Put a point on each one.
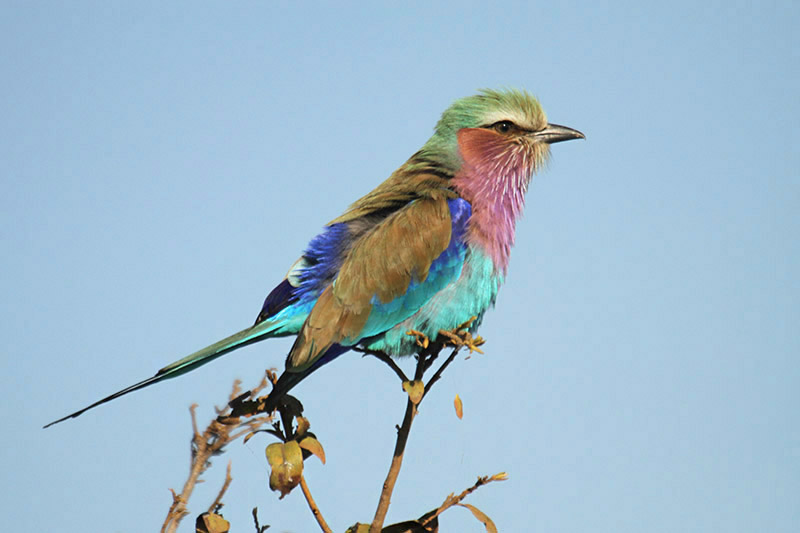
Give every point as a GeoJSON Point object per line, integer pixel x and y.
{"type": "Point", "coordinates": [163, 166]}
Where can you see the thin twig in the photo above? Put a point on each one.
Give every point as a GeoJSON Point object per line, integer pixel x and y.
{"type": "Point", "coordinates": [205, 445]}
{"type": "Point", "coordinates": [399, 449]}
{"type": "Point", "coordinates": [394, 469]}
{"type": "Point", "coordinates": [386, 359]}
{"type": "Point", "coordinates": [214, 507]}
{"type": "Point", "coordinates": [452, 500]}
{"type": "Point", "coordinates": [438, 374]}
{"type": "Point", "coordinates": [193, 410]}
{"type": "Point", "coordinates": [259, 527]}
{"type": "Point", "coordinates": [425, 358]}
{"type": "Point", "coordinates": [177, 500]}
{"type": "Point", "coordinates": [199, 463]}
{"type": "Point", "coordinates": [313, 506]}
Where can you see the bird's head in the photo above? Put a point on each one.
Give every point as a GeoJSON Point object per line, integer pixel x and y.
{"type": "Point", "coordinates": [491, 144]}
{"type": "Point", "coordinates": [496, 129]}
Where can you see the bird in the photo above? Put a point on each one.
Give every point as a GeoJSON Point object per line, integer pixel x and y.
{"type": "Point", "coordinates": [426, 250]}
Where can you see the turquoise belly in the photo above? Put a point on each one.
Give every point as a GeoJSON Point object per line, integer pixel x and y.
{"type": "Point", "coordinates": [470, 295]}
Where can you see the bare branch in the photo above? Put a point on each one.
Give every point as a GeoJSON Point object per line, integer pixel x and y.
{"type": "Point", "coordinates": [381, 356]}
{"type": "Point", "coordinates": [214, 507]}
{"type": "Point", "coordinates": [452, 500]}
{"type": "Point", "coordinates": [429, 351]}
{"type": "Point", "coordinates": [259, 527]}
{"type": "Point", "coordinates": [219, 433]}
{"type": "Point", "coordinates": [239, 418]}
{"type": "Point", "coordinates": [438, 374]}
{"type": "Point", "coordinates": [394, 468]}
{"type": "Point", "coordinates": [313, 506]}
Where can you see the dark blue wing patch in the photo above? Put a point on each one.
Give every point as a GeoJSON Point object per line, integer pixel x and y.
{"type": "Point", "coordinates": [316, 269]}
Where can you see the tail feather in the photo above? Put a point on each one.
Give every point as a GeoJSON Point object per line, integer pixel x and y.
{"type": "Point", "coordinates": [206, 355]}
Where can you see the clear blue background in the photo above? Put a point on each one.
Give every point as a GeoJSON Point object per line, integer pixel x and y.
{"type": "Point", "coordinates": [163, 165]}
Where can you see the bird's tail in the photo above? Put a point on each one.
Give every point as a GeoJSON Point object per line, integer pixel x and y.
{"type": "Point", "coordinates": [292, 377]}
{"type": "Point", "coordinates": [247, 336]}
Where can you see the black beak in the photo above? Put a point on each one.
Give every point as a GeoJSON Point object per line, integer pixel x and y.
{"type": "Point", "coordinates": [554, 133]}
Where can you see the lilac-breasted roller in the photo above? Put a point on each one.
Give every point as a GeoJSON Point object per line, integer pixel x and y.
{"type": "Point", "coordinates": [426, 250]}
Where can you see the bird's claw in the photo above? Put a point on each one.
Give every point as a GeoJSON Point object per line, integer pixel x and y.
{"type": "Point", "coordinates": [422, 340]}
{"type": "Point", "coordinates": [460, 336]}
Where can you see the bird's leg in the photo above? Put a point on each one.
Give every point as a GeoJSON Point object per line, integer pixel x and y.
{"type": "Point", "coordinates": [426, 359]}
{"type": "Point", "coordinates": [428, 353]}
{"type": "Point", "coordinates": [460, 336]}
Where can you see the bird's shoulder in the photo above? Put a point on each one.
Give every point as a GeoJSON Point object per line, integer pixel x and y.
{"type": "Point", "coordinates": [405, 199]}
{"type": "Point", "coordinates": [401, 189]}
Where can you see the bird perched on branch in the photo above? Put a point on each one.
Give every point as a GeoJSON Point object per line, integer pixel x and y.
{"type": "Point", "coordinates": [425, 251]}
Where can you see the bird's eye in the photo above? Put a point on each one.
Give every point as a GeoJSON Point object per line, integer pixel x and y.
{"type": "Point", "coordinates": [504, 126]}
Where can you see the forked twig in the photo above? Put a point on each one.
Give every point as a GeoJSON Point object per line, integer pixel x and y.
{"type": "Point", "coordinates": [385, 358]}
{"type": "Point", "coordinates": [204, 445]}
{"type": "Point", "coordinates": [229, 426]}
{"type": "Point", "coordinates": [452, 500]}
{"type": "Point", "coordinates": [428, 353]}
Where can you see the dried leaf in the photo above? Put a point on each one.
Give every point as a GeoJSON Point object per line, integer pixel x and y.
{"type": "Point", "coordinates": [312, 445]}
{"type": "Point", "coordinates": [211, 523]}
{"type": "Point", "coordinates": [415, 390]}
{"type": "Point", "coordinates": [410, 526]}
{"type": "Point", "coordinates": [292, 453]}
{"type": "Point", "coordinates": [275, 453]}
{"type": "Point", "coordinates": [358, 528]}
{"type": "Point", "coordinates": [485, 520]}
{"type": "Point", "coordinates": [302, 426]}
{"type": "Point", "coordinates": [286, 461]}
{"type": "Point", "coordinates": [459, 407]}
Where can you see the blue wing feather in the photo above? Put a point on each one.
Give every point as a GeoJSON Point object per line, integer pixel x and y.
{"type": "Point", "coordinates": [292, 299]}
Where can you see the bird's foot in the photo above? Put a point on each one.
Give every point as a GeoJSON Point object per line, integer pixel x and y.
{"type": "Point", "coordinates": [460, 336]}
{"type": "Point", "coordinates": [422, 340]}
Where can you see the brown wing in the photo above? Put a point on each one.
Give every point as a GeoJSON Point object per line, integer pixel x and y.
{"type": "Point", "coordinates": [399, 189]}
{"type": "Point", "coordinates": [382, 263]}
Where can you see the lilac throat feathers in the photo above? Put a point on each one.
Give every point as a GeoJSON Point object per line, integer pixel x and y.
{"type": "Point", "coordinates": [494, 179]}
